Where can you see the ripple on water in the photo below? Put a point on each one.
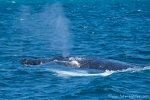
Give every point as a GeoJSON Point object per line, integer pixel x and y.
{"type": "Point", "coordinates": [108, 29]}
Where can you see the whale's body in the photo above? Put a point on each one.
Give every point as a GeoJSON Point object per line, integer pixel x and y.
{"type": "Point", "coordinates": [83, 62]}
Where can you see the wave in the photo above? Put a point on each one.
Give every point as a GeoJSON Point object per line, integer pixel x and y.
{"type": "Point", "coordinates": [64, 73]}
{"type": "Point", "coordinates": [74, 72]}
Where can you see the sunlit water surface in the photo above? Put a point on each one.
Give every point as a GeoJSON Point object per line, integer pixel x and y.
{"type": "Point", "coordinates": [114, 29]}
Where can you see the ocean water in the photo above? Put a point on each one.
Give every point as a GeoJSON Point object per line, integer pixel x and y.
{"type": "Point", "coordinates": [112, 29]}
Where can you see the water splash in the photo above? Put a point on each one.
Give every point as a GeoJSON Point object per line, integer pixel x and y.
{"type": "Point", "coordinates": [65, 72]}
{"type": "Point", "coordinates": [71, 72]}
{"type": "Point", "coordinates": [50, 24]}
{"type": "Point", "coordinates": [80, 73]}
{"type": "Point", "coordinates": [61, 34]}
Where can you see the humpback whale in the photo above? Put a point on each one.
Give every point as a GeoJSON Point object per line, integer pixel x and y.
{"type": "Point", "coordinates": [82, 62]}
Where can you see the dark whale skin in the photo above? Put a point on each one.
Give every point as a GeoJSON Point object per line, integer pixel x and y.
{"type": "Point", "coordinates": [85, 62]}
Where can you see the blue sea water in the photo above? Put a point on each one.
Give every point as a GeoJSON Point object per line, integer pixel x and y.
{"type": "Point", "coordinates": [113, 29]}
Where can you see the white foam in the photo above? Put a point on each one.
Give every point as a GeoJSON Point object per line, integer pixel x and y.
{"type": "Point", "coordinates": [75, 63]}
{"type": "Point", "coordinates": [78, 73]}
{"type": "Point", "coordinates": [146, 68]}
{"type": "Point", "coordinates": [136, 69]}
{"type": "Point", "coordinates": [75, 72]}
{"type": "Point", "coordinates": [139, 10]}
{"type": "Point", "coordinates": [141, 69]}
{"type": "Point", "coordinates": [75, 58]}
{"type": "Point", "coordinates": [13, 1]}
{"type": "Point", "coordinates": [21, 19]}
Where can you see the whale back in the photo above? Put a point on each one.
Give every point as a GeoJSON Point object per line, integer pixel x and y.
{"type": "Point", "coordinates": [104, 64]}
{"type": "Point", "coordinates": [84, 62]}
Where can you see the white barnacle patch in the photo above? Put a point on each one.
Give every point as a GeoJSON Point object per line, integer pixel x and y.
{"type": "Point", "coordinates": [41, 62]}
{"type": "Point", "coordinates": [74, 63]}
{"type": "Point", "coordinates": [26, 61]}
{"type": "Point", "coordinates": [71, 58]}
{"type": "Point", "coordinates": [101, 66]}
{"type": "Point", "coordinates": [75, 58]}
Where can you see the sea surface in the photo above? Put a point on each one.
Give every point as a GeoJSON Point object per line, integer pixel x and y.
{"type": "Point", "coordinates": [111, 29]}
